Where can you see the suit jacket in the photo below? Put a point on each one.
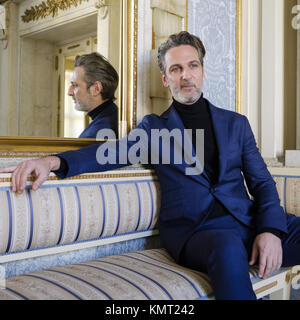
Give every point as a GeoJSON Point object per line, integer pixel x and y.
{"type": "Point", "coordinates": [186, 199]}
{"type": "Point", "coordinates": [108, 119]}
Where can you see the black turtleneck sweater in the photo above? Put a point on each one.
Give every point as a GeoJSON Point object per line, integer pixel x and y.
{"type": "Point", "coordinates": [197, 116]}
{"type": "Point", "coordinates": [101, 109]}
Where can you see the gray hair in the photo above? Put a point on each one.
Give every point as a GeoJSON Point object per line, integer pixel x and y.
{"type": "Point", "coordinates": [97, 68]}
{"type": "Point", "coordinates": [176, 40]}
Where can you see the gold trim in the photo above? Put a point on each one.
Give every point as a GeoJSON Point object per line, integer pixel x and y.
{"type": "Point", "coordinates": [129, 66]}
{"type": "Point", "coordinates": [17, 146]}
{"type": "Point", "coordinates": [238, 94]}
{"type": "Point", "coordinates": [266, 287]}
{"type": "Point", "coordinates": [44, 9]}
{"type": "Point", "coordinates": [75, 46]}
{"type": "Point", "coordinates": [134, 71]}
{"type": "Point", "coordinates": [288, 278]}
{"type": "Point", "coordinates": [186, 15]}
{"type": "Point", "coordinates": [92, 176]}
{"type": "Point", "coordinates": [24, 154]}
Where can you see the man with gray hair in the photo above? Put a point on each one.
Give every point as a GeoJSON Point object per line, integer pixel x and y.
{"type": "Point", "coordinates": [92, 88]}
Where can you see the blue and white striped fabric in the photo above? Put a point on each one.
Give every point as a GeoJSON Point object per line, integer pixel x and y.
{"type": "Point", "coordinates": [142, 275]}
{"type": "Point", "coordinates": [76, 210]}
{"type": "Point", "coordinates": [288, 188]}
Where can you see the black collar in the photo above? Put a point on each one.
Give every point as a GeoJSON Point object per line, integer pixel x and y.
{"type": "Point", "coordinates": [100, 109]}
{"type": "Point", "coordinates": [199, 107]}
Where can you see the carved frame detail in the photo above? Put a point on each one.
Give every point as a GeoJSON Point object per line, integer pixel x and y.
{"type": "Point", "coordinates": [46, 8]}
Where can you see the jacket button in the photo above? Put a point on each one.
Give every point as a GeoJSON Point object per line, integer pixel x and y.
{"type": "Point", "coordinates": [212, 189]}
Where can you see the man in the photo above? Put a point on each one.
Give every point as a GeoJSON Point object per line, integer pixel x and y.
{"type": "Point", "coordinates": [207, 221]}
{"type": "Point", "coordinates": [92, 88]}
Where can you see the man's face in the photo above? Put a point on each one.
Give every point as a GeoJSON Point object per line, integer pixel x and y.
{"type": "Point", "coordinates": [184, 74]}
{"type": "Point", "coordinates": [79, 92]}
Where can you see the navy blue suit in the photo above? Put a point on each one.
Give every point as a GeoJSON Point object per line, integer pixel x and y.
{"type": "Point", "coordinates": [186, 199]}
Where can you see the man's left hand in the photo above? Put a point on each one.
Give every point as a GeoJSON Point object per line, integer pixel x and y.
{"type": "Point", "coordinates": [267, 247]}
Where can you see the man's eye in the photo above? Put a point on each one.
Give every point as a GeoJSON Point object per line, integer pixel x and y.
{"type": "Point", "coordinates": [176, 69]}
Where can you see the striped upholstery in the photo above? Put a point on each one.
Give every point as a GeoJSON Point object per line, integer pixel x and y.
{"type": "Point", "coordinates": [73, 211]}
{"type": "Point", "coordinates": [64, 212]}
{"type": "Point", "coordinates": [147, 274]}
{"type": "Point", "coordinates": [288, 188]}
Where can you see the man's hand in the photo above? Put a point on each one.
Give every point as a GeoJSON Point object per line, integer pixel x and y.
{"type": "Point", "coordinates": [40, 168]}
{"type": "Point", "coordinates": [268, 248]}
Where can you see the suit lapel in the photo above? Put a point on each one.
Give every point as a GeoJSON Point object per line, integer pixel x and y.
{"type": "Point", "coordinates": [220, 125]}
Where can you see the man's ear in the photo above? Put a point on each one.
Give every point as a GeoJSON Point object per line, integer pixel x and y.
{"type": "Point", "coordinates": [164, 80]}
{"type": "Point", "coordinates": [96, 88]}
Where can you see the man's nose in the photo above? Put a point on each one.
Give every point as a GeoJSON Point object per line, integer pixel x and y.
{"type": "Point", "coordinates": [70, 91]}
{"type": "Point", "coordinates": [186, 74]}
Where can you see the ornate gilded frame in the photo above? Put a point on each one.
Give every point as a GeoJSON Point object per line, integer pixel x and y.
{"type": "Point", "coordinates": [129, 66]}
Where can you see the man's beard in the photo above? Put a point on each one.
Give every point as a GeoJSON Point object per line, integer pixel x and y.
{"type": "Point", "coordinates": [83, 106]}
{"type": "Point", "coordinates": [186, 100]}
{"type": "Point", "coordinates": [79, 106]}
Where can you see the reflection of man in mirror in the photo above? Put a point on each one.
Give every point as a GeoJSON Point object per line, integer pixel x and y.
{"type": "Point", "coordinates": [92, 88]}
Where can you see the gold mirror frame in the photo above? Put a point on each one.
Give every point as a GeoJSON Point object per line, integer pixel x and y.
{"type": "Point", "coordinates": [23, 146]}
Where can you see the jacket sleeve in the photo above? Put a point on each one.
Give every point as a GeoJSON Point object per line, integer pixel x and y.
{"type": "Point", "coordinates": [107, 155]}
{"type": "Point", "coordinates": [261, 186]}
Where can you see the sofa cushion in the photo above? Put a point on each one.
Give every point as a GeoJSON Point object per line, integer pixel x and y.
{"type": "Point", "coordinates": [148, 274]}
{"type": "Point", "coordinates": [83, 208]}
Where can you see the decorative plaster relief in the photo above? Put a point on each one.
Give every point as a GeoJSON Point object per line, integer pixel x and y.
{"type": "Point", "coordinates": [2, 17]}
{"type": "Point", "coordinates": [38, 15]}
{"type": "Point", "coordinates": [3, 26]}
{"type": "Point", "coordinates": [50, 7]}
{"type": "Point", "coordinates": [103, 9]}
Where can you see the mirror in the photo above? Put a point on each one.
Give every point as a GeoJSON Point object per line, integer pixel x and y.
{"type": "Point", "coordinates": [44, 39]}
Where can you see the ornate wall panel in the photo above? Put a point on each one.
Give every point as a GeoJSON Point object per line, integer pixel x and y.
{"type": "Point", "coordinates": [214, 21]}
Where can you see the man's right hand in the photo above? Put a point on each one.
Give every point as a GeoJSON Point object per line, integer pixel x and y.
{"type": "Point", "coordinates": [39, 168]}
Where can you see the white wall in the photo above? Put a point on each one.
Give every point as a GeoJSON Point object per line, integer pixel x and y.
{"type": "Point", "coordinates": [264, 70]}
{"type": "Point", "coordinates": [8, 67]}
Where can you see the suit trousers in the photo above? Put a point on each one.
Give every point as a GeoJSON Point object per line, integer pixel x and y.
{"type": "Point", "coordinates": [222, 248]}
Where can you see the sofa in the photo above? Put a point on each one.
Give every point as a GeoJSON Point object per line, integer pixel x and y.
{"type": "Point", "coordinates": [94, 237]}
